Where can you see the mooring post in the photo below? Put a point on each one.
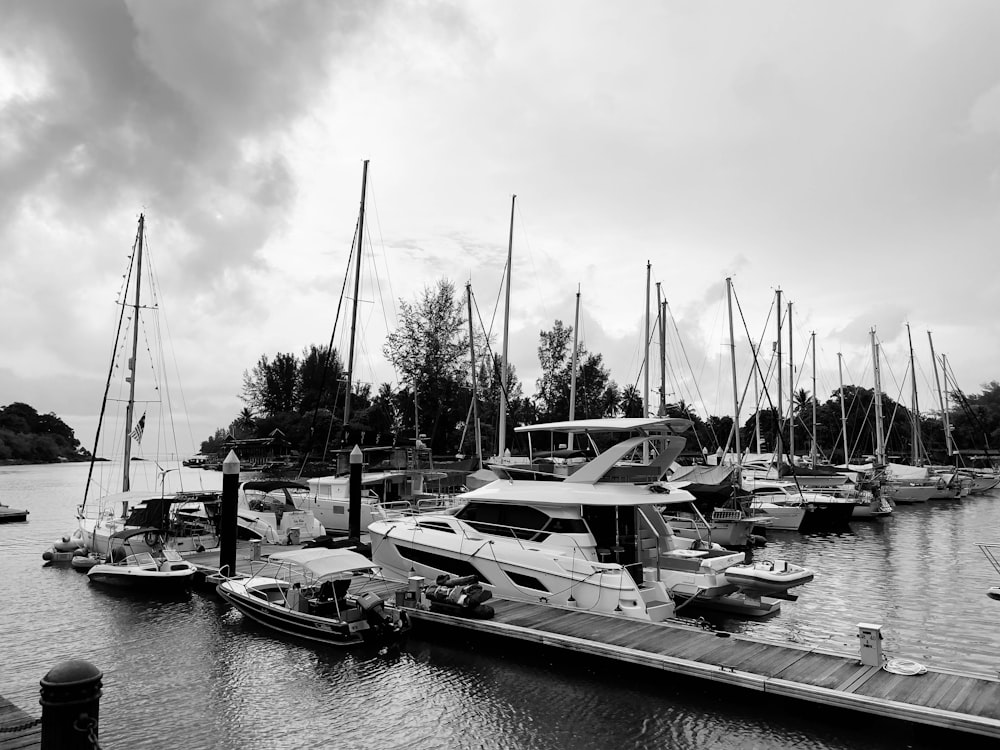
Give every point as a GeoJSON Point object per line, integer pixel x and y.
{"type": "Point", "coordinates": [70, 698]}
{"type": "Point", "coordinates": [354, 504]}
{"type": "Point", "coordinates": [230, 493]}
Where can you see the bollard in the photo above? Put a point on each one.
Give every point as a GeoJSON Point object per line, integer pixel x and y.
{"type": "Point", "coordinates": [70, 699]}
{"type": "Point", "coordinates": [230, 499]}
{"type": "Point", "coordinates": [354, 496]}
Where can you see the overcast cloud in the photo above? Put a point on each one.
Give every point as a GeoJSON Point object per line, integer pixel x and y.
{"type": "Point", "coordinates": [846, 152]}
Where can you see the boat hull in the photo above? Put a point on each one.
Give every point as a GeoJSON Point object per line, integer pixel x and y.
{"type": "Point", "coordinates": [331, 631]}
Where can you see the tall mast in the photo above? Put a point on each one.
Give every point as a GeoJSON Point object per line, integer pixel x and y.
{"type": "Point", "coordinates": [937, 382]}
{"type": "Point", "coordinates": [843, 412]}
{"type": "Point", "coordinates": [572, 376]}
{"type": "Point", "coordinates": [645, 370]}
{"type": "Point", "coordinates": [130, 409]}
{"type": "Point", "coordinates": [780, 415]}
{"type": "Point", "coordinates": [357, 291]}
{"type": "Point", "coordinates": [506, 328]}
{"type": "Point", "coordinates": [915, 417]}
{"type": "Point", "coordinates": [947, 410]}
{"type": "Point", "coordinates": [732, 359]}
{"type": "Point", "coordinates": [812, 456]}
{"type": "Point", "coordinates": [879, 434]}
{"type": "Point", "coordinates": [661, 309]}
{"type": "Point", "coordinates": [791, 391]}
{"type": "Point", "coordinates": [475, 389]}
{"type": "Point", "coordinates": [756, 399]}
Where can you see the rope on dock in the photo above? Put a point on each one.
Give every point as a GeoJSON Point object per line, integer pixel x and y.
{"type": "Point", "coordinates": [23, 726]}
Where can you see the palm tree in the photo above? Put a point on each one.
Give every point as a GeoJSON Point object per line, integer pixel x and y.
{"type": "Point", "coordinates": [245, 422]}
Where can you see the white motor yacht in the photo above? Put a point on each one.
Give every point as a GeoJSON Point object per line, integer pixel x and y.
{"type": "Point", "coordinates": [595, 540]}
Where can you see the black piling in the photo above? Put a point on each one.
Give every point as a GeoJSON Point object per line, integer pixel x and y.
{"type": "Point", "coordinates": [230, 494]}
{"type": "Point", "coordinates": [354, 497]}
{"type": "Point", "coordinates": [70, 698]}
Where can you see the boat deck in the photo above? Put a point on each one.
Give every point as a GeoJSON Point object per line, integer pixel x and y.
{"type": "Point", "coordinates": [942, 698]}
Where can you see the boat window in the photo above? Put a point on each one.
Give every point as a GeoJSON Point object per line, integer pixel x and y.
{"type": "Point", "coordinates": [445, 564]}
{"type": "Point", "coordinates": [436, 526]}
{"type": "Point", "coordinates": [518, 521]}
{"type": "Point", "coordinates": [567, 526]}
{"type": "Point", "coordinates": [526, 582]}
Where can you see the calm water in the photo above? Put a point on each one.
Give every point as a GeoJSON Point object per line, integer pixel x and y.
{"type": "Point", "coordinates": [189, 672]}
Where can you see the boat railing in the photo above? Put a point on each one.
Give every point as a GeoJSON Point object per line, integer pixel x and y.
{"type": "Point", "coordinates": [992, 552]}
{"type": "Point", "coordinates": [519, 534]}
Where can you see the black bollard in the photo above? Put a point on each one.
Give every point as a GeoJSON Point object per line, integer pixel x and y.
{"type": "Point", "coordinates": [71, 699]}
{"type": "Point", "coordinates": [354, 498]}
{"type": "Point", "coordinates": [230, 496]}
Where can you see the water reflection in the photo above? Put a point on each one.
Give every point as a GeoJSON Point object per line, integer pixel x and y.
{"type": "Point", "coordinates": [192, 672]}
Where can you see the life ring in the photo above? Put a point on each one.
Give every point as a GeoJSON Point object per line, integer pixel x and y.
{"type": "Point", "coordinates": [904, 667]}
{"type": "Point", "coordinates": [941, 484]}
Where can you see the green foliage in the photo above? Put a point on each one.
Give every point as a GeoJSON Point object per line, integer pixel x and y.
{"type": "Point", "coordinates": [430, 351]}
{"type": "Point", "coordinates": [596, 394]}
{"type": "Point", "coordinates": [26, 435]}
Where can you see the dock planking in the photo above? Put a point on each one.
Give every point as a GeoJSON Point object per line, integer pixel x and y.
{"type": "Point", "coordinates": [18, 730]}
{"type": "Point", "coordinates": [941, 698]}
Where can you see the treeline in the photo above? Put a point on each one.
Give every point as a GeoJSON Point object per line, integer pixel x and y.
{"type": "Point", "coordinates": [303, 396]}
{"type": "Point", "coordinates": [29, 437]}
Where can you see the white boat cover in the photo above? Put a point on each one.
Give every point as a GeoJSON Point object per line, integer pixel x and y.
{"type": "Point", "coordinates": [907, 472]}
{"type": "Point", "coordinates": [321, 562]}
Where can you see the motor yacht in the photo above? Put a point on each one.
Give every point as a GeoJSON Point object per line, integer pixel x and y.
{"type": "Point", "coordinates": [597, 540]}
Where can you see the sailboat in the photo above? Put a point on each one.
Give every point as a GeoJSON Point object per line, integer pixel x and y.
{"type": "Point", "coordinates": [111, 503]}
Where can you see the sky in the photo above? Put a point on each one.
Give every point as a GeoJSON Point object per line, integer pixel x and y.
{"type": "Point", "coordinates": [846, 153]}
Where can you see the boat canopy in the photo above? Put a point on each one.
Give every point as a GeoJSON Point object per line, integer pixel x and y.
{"type": "Point", "coordinates": [606, 494]}
{"type": "Point", "coordinates": [619, 424]}
{"type": "Point", "coordinates": [270, 485]}
{"type": "Point", "coordinates": [129, 533]}
{"type": "Point", "coordinates": [321, 562]}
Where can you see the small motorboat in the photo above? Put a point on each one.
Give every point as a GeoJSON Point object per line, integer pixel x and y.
{"type": "Point", "coordinates": [153, 569]}
{"type": "Point", "coordinates": [768, 577]}
{"type": "Point", "coordinates": [325, 595]}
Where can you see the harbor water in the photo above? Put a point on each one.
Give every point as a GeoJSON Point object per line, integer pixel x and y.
{"type": "Point", "coordinates": [190, 672]}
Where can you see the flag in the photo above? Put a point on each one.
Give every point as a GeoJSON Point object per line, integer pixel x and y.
{"type": "Point", "coordinates": [136, 433]}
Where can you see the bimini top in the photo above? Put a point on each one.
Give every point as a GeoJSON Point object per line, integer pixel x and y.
{"type": "Point", "coordinates": [126, 534]}
{"type": "Point", "coordinates": [270, 485]}
{"type": "Point", "coordinates": [618, 424]}
{"type": "Point", "coordinates": [321, 562]}
{"type": "Point", "coordinates": [611, 494]}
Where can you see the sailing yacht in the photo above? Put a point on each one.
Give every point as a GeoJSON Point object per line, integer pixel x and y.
{"type": "Point", "coordinates": [596, 540]}
{"type": "Point", "coordinates": [111, 503]}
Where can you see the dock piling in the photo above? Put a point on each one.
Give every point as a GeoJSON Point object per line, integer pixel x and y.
{"type": "Point", "coordinates": [230, 493]}
{"type": "Point", "coordinates": [70, 699]}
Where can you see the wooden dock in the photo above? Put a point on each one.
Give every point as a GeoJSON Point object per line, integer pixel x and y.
{"type": "Point", "coordinates": [941, 698]}
{"type": "Point", "coordinates": [18, 730]}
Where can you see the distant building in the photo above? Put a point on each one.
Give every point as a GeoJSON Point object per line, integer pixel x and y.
{"type": "Point", "coordinates": [259, 451]}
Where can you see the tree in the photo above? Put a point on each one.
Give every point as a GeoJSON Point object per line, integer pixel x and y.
{"type": "Point", "coordinates": [630, 404]}
{"type": "Point", "coordinates": [273, 387]}
{"type": "Point", "coordinates": [428, 350]}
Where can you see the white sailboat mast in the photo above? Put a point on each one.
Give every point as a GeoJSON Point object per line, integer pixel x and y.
{"type": "Point", "coordinates": [937, 383]}
{"type": "Point", "coordinates": [506, 329]}
{"type": "Point", "coordinates": [572, 377]}
{"type": "Point", "coordinates": [732, 359]}
{"type": "Point", "coordinates": [475, 388]}
{"type": "Point", "coordinates": [791, 390]}
{"type": "Point", "coordinates": [780, 413]}
{"type": "Point", "coordinates": [357, 291]}
{"type": "Point", "coordinates": [879, 432]}
{"type": "Point", "coordinates": [843, 411]}
{"type": "Point", "coordinates": [130, 409]}
{"type": "Point", "coordinates": [812, 456]}
{"type": "Point", "coordinates": [645, 369]}
{"type": "Point", "coordinates": [915, 439]}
